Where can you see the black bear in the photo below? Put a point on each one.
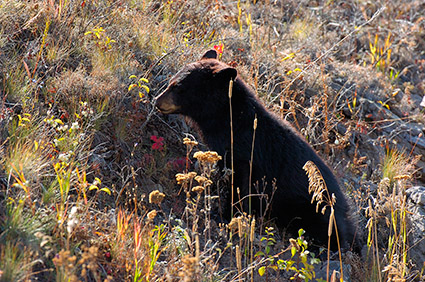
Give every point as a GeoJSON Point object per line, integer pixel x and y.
{"type": "Point", "coordinates": [200, 91]}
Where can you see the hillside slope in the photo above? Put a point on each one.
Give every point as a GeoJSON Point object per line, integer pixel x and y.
{"type": "Point", "coordinates": [88, 166]}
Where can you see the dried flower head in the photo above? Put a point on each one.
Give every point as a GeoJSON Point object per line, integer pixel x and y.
{"type": "Point", "coordinates": [403, 177]}
{"type": "Point", "coordinates": [238, 258]}
{"type": "Point", "coordinates": [185, 177]}
{"type": "Point", "coordinates": [152, 214]}
{"type": "Point", "coordinates": [233, 224]}
{"type": "Point", "coordinates": [198, 189]}
{"type": "Point", "coordinates": [207, 157]}
{"type": "Point", "coordinates": [252, 231]}
{"type": "Point", "coordinates": [202, 180]}
{"type": "Point", "coordinates": [384, 184]}
{"type": "Point", "coordinates": [89, 258]}
{"type": "Point", "coordinates": [72, 220]}
{"type": "Point", "coordinates": [294, 244]}
{"type": "Point", "coordinates": [64, 259]}
{"type": "Point", "coordinates": [156, 197]}
{"type": "Point", "coordinates": [189, 142]}
{"type": "Point", "coordinates": [317, 186]}
{"type": "Point", "coordinates": [239, 224]}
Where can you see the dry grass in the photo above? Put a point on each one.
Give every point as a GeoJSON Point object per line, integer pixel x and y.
{"type": "Point", "coordinates": [88, 168]}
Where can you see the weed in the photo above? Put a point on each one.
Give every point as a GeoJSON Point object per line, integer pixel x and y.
{"type": "Point", "coordinates": [317, 187]}
{"type": "Point", "coordinates": [301, 262]}
{"type": "Point", "coordinates": [390, 210]}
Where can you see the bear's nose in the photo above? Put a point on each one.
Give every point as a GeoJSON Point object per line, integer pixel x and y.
{"type": "Point", "coordinates": [165, 103]}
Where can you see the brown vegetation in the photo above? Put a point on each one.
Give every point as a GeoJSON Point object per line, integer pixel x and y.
{"type": "Point", "coordinates": [88, 167]}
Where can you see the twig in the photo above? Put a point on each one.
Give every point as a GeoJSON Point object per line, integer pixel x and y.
{"type": "Point", "coordinates": [250, 165]}
{"type": "Point", "coordinates": [231, 144]}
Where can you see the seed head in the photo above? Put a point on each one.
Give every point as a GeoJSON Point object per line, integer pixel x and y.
{"type": "Point", "coordinates": [188, 141]}
{"type": "Point", "coordinates": [198, 189]}
{"type": "Point", "coordinates": [152, 214]}
{"type": "Point", "coordinates": [185, 177]}
{"type": "Point", "coordinates": [207, 157]}
{"type": "Point", "coordinates": [156, 197]}
{"type": "Point", "coordinates": [202, 180]}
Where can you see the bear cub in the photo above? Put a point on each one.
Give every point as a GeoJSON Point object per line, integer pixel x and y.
{"type": "Point", "coordinates": [200, 92]}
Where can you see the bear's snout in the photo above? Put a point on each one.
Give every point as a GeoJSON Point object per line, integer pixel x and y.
{"type": "Point", "coordinates": [165, 103]}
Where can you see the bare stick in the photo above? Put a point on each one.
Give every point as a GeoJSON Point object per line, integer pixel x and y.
{"type": "Point", "coordinates": [250, 165]}
{"type": "Point", "coordinates": [231, 143]}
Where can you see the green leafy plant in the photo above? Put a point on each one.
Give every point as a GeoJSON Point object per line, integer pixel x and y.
{"type": "Point", "coordinates": [301, 263]}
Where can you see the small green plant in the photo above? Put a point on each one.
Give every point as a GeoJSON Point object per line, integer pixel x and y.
{"type": "Point", "coordinates": [269, 241]}
{"type": "Point", "coordinates": [63, 176]}
{"type": "Point", "coordinates": [156, 241]}
{"type": "Point", "coordinates": [380, 56]}
{"type": "Point", "coordinates": [393, 165]}
{"type": "Point", "coordinates": [301, 263]}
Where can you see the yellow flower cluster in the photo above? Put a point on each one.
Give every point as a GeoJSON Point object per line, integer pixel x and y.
{"type": "Point", "coordinates": [207, 157]}
{"type": "Point", "coordinates": [185, 177]}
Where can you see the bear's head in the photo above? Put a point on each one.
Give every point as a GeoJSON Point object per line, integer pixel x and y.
{"type": "Point", "coordinates": [197, 87]}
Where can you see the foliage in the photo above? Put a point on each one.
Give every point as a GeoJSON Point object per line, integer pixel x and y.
{"type": "Point", "coordinates": [88, 167]}
{"type": "Point", "coordinates": [301, 263]}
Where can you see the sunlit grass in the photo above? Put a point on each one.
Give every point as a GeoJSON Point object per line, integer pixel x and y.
{"type": "Point", "coordinates": [15, 262]}
{"type": "Point", "coordinates": [87, 166]}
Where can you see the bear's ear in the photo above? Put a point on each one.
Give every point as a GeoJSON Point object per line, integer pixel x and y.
{"type": "Point", "coordinates": [210, 54]}
{"type": "Point", "coordinates": [227, 73]}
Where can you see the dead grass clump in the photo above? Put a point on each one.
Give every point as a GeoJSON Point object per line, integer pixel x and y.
{"type": "Point", "coordinates": [73, 87]}
{"type": "Point", "coordinates": [388, 219]}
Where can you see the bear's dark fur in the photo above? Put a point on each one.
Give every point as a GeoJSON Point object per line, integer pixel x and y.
{"type": "Point", "coordinates": [200, 92]}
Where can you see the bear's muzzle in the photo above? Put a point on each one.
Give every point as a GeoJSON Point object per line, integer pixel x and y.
{"type": "Point", "coordinates": [165, 103]}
